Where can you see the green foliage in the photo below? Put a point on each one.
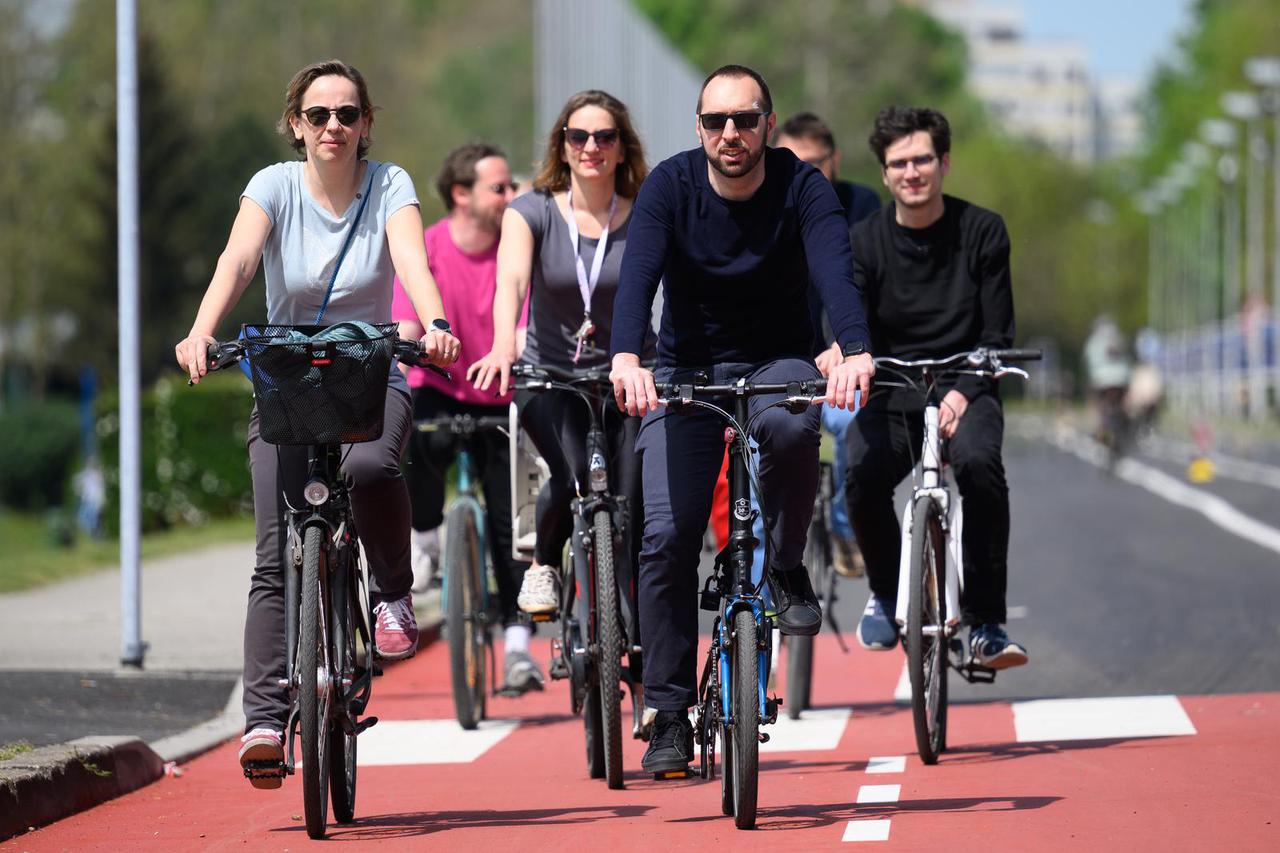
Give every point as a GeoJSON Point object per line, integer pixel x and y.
{"type": "Point", "coordinates": [194, 462]}
{"type": "Point", "coordinates": [39, 450]}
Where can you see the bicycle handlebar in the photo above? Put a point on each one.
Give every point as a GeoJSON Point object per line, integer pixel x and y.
{"type": "Point", "coordinates": [980, 359]}
{"type": "Point", "coordinates": [538, 374]}
{"type": "Point", "coordinates": [685, 392]}
{"type": "Point", "coordinates": [223, 354]}
{"type": "Point", "coordinates": [461, 424]}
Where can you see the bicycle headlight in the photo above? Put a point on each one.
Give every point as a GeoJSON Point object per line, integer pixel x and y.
{"type": "Point", "coordinates": [316, 492]}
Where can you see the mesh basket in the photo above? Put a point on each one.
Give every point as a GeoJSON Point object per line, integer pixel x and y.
{"type": "Point", "coordinates": [318, 391]}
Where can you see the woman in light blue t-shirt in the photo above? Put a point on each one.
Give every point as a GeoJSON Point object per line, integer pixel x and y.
{"type": "Point", "coordinates": [296, 217]}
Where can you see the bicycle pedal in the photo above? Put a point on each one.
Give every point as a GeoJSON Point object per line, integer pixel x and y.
{"type": "Point", "coordinates": [670, 775]}
{"type": "Point", "coordinates": [366, 723]}
{"type": "Point", "coordinates": [377, 670]}
{"type": "Point", "coordinates": [542, 617]}
{"type": "Point", "coordinates": [559, 670]}
{"type": "Point", "coordinates": [264, 774]}
{"type": "Point", "coordinates": [763, 737]}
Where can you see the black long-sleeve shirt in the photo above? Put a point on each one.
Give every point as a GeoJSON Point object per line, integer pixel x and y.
{"type": "Point", "coordinates": [736, 273]}
{"type": "Point", "coordinates": [936, 291]}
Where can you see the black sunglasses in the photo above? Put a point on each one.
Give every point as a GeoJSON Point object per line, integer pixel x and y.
{"type": "Point", "coordinates": [319, 116]}
{"type": "Point", "coordinates": [742, 121]}
{"type": "Point", "coordinates": [604, 138]}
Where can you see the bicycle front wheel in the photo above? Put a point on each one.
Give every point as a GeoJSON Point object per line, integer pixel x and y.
{"type": "Point", "coordinates": [343, 627]}
{"type": "Point", "coordinates": [314, 689]}
{"type": "Point", "coordinates": [464, 621]}
{"type": "Point", "coordinates": [927, 629]}
{"type": "Point", "coordinates": [746, 719]}
{"type": "Point", "coordinates": [609, 643]}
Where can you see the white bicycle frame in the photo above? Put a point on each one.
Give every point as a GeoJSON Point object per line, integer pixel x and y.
{"type": "Point", "coordinates": [935, 483]}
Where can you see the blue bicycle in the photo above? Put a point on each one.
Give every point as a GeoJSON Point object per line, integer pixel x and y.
{"type": "Point", "coordinates": [733, 702]}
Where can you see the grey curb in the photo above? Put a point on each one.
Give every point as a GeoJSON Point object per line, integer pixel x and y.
{"type": "Point", "coordinates": [53, 782]}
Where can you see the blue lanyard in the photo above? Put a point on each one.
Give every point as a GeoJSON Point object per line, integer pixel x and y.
{"type": "Point", "coordinates": [346, 245]}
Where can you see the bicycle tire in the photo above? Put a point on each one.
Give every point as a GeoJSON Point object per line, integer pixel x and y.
{"type": "Point", "coordinates": [464, 568]}
{"type": "Point", "coordinates": [609, 644]}
{"type": "Point", "coordinates": [799, 696]}
{"type": "Point", "coordinates": [746, 719]}
{"type": "Point", "coordinates": [593, 729]}
{"type": "Point", "coordinates": [726, 759]}
{"type": "Point", "coordinates": [313, 712]}
{"type": "Point", "coordinates": [342, 784]}
{"type": "Point", "coordinates": [927, 655]}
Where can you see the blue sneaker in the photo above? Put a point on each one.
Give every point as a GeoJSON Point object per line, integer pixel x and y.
{"type": "Point", "coordinates": [991, 647]}
{"type": "Point", "coordinates": [876, 629]}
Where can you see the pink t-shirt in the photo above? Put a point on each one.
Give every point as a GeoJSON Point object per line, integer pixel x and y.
{"type": "Point", "coordinates": [467, 283]}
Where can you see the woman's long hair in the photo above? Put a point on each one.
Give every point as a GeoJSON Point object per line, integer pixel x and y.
{"type": "Point", "coordinates": [553, 176]}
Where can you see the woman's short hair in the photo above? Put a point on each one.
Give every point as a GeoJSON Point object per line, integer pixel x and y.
{"type": "Point", "coordinates": [298, 87]}
{"type": "Point", "coordinates": [553, 175]}
{"type": "Point", "coordinates": [894, 123]}
{"type": "Point", "coordinates": [459, 168]}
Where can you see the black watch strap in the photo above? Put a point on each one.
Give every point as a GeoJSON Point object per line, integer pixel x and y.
{"type": "Point", "coordinates": [853, 349]}
{"type": "Point", "coordinates": [441, 325]}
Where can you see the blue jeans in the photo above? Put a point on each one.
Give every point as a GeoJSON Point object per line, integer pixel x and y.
{"type": "Point", "coordinates": [836, 422]}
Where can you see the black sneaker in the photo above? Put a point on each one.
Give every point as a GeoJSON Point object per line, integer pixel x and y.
{"type": "Point", "coordinates": [671, 745]}
{"type": "Point", "coordinates": [799, 613]}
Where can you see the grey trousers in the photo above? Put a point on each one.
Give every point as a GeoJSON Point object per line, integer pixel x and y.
{"type": "Point", "coordinates": [681, 456]}
{"type": "Point", "coordinates": [380, 502]}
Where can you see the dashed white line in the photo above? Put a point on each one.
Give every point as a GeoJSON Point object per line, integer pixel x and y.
{"type": "Point", "coordinates": [878, 794]}
{"type": "Point", "coordinates": [902, 693]}
{"type": "Point", "coordinates": [887, 764]}
{"type": "Point", "coordinates": [866, 830]}
{"type": "Point", "coordinates": [878, 829]}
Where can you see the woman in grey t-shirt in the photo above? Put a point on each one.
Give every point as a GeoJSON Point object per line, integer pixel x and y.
{"type": "Point", "coordinates": [296, 217]}
{"type": "Point", "coordinates": [562, 246]}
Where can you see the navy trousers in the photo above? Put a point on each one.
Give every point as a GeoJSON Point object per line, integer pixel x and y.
{"type": "Point", "coordinates": [680, 459]}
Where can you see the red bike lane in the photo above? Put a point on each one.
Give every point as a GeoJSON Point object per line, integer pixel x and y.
{"type": "Point", "coordinates": [1026, 777]}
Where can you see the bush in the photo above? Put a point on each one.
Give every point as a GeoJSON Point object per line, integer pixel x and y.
{"type": "Point", "coordinates": [194, 462]}
{"type": "Point", "coordinates": [40, 441]}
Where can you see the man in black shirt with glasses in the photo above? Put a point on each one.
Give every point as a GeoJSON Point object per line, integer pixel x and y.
{"type": "Point", "coordinates": [934, 275]}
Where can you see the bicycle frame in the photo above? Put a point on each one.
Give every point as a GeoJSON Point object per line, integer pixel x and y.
{"type": "Point", "coordinates": [466, 497]}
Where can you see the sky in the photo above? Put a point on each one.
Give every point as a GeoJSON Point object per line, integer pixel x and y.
{"type": "Point", "coordinates": [1125, 38]}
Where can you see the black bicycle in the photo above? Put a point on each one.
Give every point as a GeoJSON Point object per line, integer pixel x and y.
{"type": "Point", "coordinates": [598, 617]}
{"type": "Point", "coordinates": [733, 701]}
{"type": "Point", "coordinates": [322, 394]}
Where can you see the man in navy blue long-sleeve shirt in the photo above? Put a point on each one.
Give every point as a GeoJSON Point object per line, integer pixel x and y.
{"type": "Point", "coordinates": [738, 232]}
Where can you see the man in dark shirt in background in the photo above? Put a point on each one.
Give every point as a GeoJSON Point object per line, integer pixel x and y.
{"type": "Point", "coordinates": [809, 138]}
{"type": "Point", "coordinates": [737, 232]}
{"type": "Point", "coordinates": [934, 275]}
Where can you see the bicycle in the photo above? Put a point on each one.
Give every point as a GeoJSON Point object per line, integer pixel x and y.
{"type": "Point", "coordinates": [598, 604]}
{"type": "Point", "coordinates": [465, 596]}
{"type": "Point", "coordinates": [732, 690]}
{"type": "Point", "coordinates": [321, 394]}
{"type": "Point", "coordinates": [931, 565]}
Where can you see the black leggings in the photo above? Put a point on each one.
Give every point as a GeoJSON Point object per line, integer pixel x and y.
{"type": "Point", "coordinates": [558, 423]}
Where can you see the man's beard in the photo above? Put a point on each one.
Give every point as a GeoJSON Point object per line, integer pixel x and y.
{"type": "Point", "coordinates": [486, 221]}
{"type": "Point", "coordinates": [749, 163]}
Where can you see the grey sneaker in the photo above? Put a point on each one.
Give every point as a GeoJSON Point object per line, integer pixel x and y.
{"type": "Point", "coordinates": [846, 557]}
{"type": "Point", "coordinates": [424, 558]}
{"type": "Point", "coordinates": [540, 590]}
{"type": "Point", "coordinates": [876, 629]}
{"type": "Point", "coordinates": [991, 647]}
{"type": "Point", "coordinates": [520, 673]}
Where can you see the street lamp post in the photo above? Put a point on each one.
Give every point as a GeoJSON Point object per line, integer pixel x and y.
{"type": "Point", "coordinates": [1245, 107]}
{"type": "Point", "coordinates": [1264, 71]}
{"type": "Point", "coordinates": [1221, 135]}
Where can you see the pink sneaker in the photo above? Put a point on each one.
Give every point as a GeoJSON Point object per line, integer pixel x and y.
{"type": "Point", "coordinates": [262, 757]}
{"type": "Point", "coordinates": [395, 634]}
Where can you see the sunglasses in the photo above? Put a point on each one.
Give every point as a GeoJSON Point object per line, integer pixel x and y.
{"type": "Point", "coordinates": [742, 121]}
{"type": "Point", "coordinates": [319, 116]}
{"type": "Point", "coordinates": [604, 138]}
{"type": "Point", "coordinates": [514, 186]}
{"type": "Point", "coordinates": [920, 161]}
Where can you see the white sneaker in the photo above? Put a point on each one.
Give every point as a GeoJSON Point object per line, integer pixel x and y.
{"type": "Point", "coordinates": [424, 556]}
{"type": "Point", "coordinates": [540, 590]}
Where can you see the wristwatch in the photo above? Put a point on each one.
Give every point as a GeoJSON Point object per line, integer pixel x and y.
{"type": "Point", "coordinates": [854, 349]}
{"type": "Point", "coordinates": [441, 325]}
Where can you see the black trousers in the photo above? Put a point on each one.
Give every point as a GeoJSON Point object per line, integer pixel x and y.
{"type": "Point", "coordinates": [681, 456]}
{"type": "Point", "coordinates": [883, 447]}
{"type": "Point", "coordinates": [380, 504]}
{"type": "Point", "coordinates": [429, 458]}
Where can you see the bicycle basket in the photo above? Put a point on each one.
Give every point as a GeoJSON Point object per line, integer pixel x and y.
{"type": "Point", "coordinates": [314, 388]}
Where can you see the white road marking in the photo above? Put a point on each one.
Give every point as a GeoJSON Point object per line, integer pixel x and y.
{"type": "Point", "coordinates": [866, 830]}
{"type": "Point", "coordinates": [1159, 483]}
{"type": "Point", "coordinates": [1100, 719]}
{"type": "Point", "coordinates": [887, 764]}
{"type": "Point", "coordinates": [817, 729]}
{"type": "Point", "coordinates": [878, 794]}
{"type": "Point", "coordinates": [395, 742]}
{"type": "Point", "coordinates": [1016, 611]}
{"type": "Point", "coordinates": [902, 693]}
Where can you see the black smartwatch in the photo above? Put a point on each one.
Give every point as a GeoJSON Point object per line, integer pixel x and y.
{"type": "Point", "coordinates": [441, 325]}
{"type": "Point", "coordinates": [854, 349]}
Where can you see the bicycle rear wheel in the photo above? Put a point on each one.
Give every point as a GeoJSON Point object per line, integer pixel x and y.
{"type": "Point", "coordinates": [314, 689]}
{"type": "Point", "coordinates": [342, 746]}
{"type": "Point", "coordinates": [609, 643]}
{"type": "Point", "coordinates": [746, 719]}
{"type": "Point", "coordinates": [464, 623]}
{"type": "Point", "coordinates": [926, 630]}
{"type": "Point", "coordinates": [800, 649]}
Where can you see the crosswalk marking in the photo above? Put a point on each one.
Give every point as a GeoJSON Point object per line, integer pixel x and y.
{"type": "Point", "coordinates": [398, 742]}
{"type": "Point", "coordinates": [1100, 719]}
{"type": "Point", "coordinates": [817, 729]}
{"type": "Point", "coordinates": [866, 830]}
{"type": "Point", "coordinates": [878, 794]}
{"type": "Point", "coordinates": [887, 764]}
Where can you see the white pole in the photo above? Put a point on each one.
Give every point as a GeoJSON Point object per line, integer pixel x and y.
{"type": "Point", "coordinates": [132, 647]}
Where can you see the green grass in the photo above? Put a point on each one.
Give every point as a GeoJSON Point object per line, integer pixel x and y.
{"type": "Point", "coordinates": [14, 749]}
{"type": "Point", "coordinates": [32, 558]}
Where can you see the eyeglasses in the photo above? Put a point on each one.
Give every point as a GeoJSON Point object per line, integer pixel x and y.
{"type": "Point", "coordinates": [742, 121]}
{"type": "Point", "coordinates": [604, 138]}
{"type": "Point", "coordinates": [920, 161]}
{"type": "Point", "coordinates": [319, 116]}
{"type": "Point", "coordinates": [500, 189]}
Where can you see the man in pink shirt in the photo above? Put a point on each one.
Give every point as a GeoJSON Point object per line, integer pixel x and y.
{"type": "Point", "coordinates": [462, 251]}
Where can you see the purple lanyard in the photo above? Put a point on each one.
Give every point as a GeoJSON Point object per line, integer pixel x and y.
{"type": "Point", "coordinates": [587, 284]}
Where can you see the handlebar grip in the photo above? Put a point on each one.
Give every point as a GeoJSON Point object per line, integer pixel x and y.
{"type": "Point", "coordinates": [1018, 354]}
